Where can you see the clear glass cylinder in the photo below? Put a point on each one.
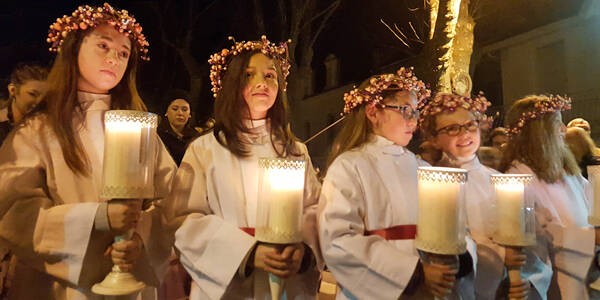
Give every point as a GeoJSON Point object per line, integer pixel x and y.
{"type": "Point", "coordinates": [129, 154]}
{"type": "Point", "coordinates": [594, 207]}
{"type": "Point", "coordinates": [441, 226]}
{"type": "Point", "coordinates": [513, 208]}
{"type": "Point", "coordinates": [280, 200]}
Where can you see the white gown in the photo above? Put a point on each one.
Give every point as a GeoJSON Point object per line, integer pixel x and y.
{"type": "Point", "coordinates": [47, 213]}
{"type": "Point", "coordinates": [565, 240]}
{"type": "Point", "coordinates": [214, 195]}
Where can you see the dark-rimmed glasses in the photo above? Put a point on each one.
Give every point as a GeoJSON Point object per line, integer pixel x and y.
{"type": "Point", "coordinates": [456, 129]}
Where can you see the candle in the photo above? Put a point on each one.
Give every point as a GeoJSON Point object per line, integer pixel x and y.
{"type": "Point", "coordinates": [128, 169]}
{"type": "Point", "coordinates": [594, 177]}
{"type": "Point", "coordinates": [511, 209]}
{"type": "Point", "coordinates": [280, 206]}
{"type": "Point", "coordinates": [440, 227]}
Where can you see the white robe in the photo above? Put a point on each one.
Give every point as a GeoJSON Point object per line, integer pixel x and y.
{"type": "Point", "coordinates": [566, 239]}
{"type": "Point", "coordinates": [479, 195]}
{"type": "Point", "coordinates": [47, 212]}
{"type": "Point", "coordinates": [369, 188]}
{"type": "Point", "coordinates": [210, 205]}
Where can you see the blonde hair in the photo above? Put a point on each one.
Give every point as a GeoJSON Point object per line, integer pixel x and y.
{"type": "Point", "coordinates": [580, 143]}
{"type": "Point", "coordinates": [538, 144]}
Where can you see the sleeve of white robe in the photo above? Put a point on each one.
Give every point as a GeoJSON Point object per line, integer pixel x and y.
{"type": "Point", "coordinates": [49, 236]}
{"type": "Point", "coordinates": [211, 250]}
{"type": "Point", "coordinates": [368, 266]}
{"type": "Point", "coordinates": [152, 226]}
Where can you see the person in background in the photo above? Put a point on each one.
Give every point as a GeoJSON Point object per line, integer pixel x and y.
{"type": "Point", "coordinates": [583, 148]}
{"type": "Point", "coordinates": [26, 89]}
{"type": "Point", "coordinates": [581, 123]}
{"type": "Point", "coordinates": [490, 157]}
{"type": "Point", "coordinates": [175, 130]}
{"type": "Point", "coordinates": [498, 138]}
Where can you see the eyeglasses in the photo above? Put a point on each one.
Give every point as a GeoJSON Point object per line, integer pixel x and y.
{"type": "Point", "coordinates": [407, 112]}
{"type": "Point", "coordinates": [456, 129]}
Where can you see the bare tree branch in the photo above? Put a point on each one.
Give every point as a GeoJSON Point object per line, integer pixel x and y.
{"type": "Point", "coordinates": [328, 15]}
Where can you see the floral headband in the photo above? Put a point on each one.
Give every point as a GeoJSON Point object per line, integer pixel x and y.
{"type": "Point", "coordinates": [404, 79]}
{"type": "Point", "coordinates": [444, 102]}
{"type": "Point", "coordinates": [219, 61]}
{"type": "Point", "coordinates": [88, 17]}
{"type": "Point", "coordinates": [549, 104]}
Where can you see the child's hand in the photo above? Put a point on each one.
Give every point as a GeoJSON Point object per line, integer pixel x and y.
{"type": "Point", "coordinates": [283, 263]}
{"type": "Point", "coordinates": [519, 290]}
{"type": "Point", "coordinates": [439, 278]}
{"type": "Point", "coordinates": [123, 214]}
{"type": "Point", "coordinates": [514, 257]}
{"type": "Point", "coordinates": [126, 252]}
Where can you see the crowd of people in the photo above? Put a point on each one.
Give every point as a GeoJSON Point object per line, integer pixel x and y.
{"type": "Point", "coordinates": [195, 238]}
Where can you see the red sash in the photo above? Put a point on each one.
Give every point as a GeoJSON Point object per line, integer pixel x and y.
{"type": "Point", "coordinates": [400, 232]}
{"type": "Point", "coordinates": [248, 230]}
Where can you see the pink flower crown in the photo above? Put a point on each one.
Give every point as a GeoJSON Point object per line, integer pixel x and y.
{"type": "Point", "coordinates": [219, 61]}
{"type": "Point", "coordinates": [85, 17]}
{"type": "Point", "coordinates": [550, 104]}
{"type": "Point", "coordinates": [404, 80]}
{"type": "Point", "coordinates": [445, 102]}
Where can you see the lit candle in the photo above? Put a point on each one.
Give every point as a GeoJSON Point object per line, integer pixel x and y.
{"type": "Point", "coordinates": [128, 163]}
{"type": "Point", "coordinates": [440, 226]}
{"type": "Point", "coordinates": [281, 194]}
{"type": "Point", "coordinates": [511, 210]}
{"type": "Point", "coordinates": [594, 177]}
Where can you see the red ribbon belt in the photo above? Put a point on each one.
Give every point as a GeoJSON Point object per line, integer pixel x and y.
{"type": "Point", "coordinates": [248, 230]}
{"type": "Point", "coordinates": [400, 232]}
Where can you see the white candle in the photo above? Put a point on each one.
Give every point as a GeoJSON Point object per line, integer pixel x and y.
{"type": "Point", "coordinates": [128, 163]}
{"type": "Point", "coordinates": [281, 205]}
{"type": "Point", "coordinates": [511, 211]}
{"type": "Point", "coordinates": [439, 227]}
{"type": "Point", "coordinates": [594, 177]}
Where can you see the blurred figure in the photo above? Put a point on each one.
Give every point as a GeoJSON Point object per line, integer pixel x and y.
{"type": "Point", "coordinates": [429, 153]}
{"type": "Point", "coordinates": [498, 137]}
{"type": "Point", "coordinates": [26, 88]}
{"type": "Point", "coordinates": [581, 123]}
{"type": "Point", "coordinates": [174, 130]}
{"type": "Point", "coordinates": [490, 156]}
{"type": "Point", "coordinates": [583, 148]}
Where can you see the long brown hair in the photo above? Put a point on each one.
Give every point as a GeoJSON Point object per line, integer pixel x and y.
{"type": "Point", "coordinates": [61, 103]}
{"type": "Point", "coordinates": [538, 144]}
{"type": "Point", "coordinates": [356, 128]}
{"type": "Point", "coordinates": [230, 110]}
{"type": "Point", "coordinates": [580, 143]}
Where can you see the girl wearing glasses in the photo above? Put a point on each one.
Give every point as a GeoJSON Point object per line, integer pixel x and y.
{"type": "Point", "coordinates": [451, 123]}
{"type": "Point", "coordinates": [368, 203]}
{"type": "Point", "coordinates": [536, 146]}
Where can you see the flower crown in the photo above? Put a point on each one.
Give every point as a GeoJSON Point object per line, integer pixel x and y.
{"type": "Point", "coordinates": [549, 104]}
{"type": "Point", "coordinates": [219, 61]}
{"type": "Point", "coordinates": [442, 102]}
{"type": "Point", "coordinates": [404, 79]}
{"type": "Point", "coordinates": [85, 17]}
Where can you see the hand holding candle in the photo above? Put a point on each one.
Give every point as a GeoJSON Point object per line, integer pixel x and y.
{"type": "Point", "coordinates": [594, 211]}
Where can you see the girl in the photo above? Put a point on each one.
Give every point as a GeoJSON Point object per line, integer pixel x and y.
{"type": "Point", "coordinates": [215, 191]}
{"type": "Point", "coordinates": [368, 204]}
{"type": "Point", "coordinates": [566, 240]}
{"type": "Point", "coordinates": [452, 124]}
{"type": "Point", "coordinates": [26, 88]}
{"type": "Point", "coordinates": [51, 215]}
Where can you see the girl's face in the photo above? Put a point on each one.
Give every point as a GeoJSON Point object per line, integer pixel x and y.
{"type": "Point", "coordinates": [457, 133]}
{"type": "Point", "coordinates": [28, 94]}
{"type": "Point", "coordinates": [178, 113]}
{"type": "Point", "coordinates": [261, 87]}
{"type": "Point", "coordinates": [102, 60]}
{"type": "Point", "coordinates": [396, 120]}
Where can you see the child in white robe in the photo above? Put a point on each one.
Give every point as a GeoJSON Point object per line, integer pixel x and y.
{"type": "Point", "coordinates": [368, 204]}
{"type": "Point", "coordinates": [215, 193]}
{"type": "Point", "coordinates": [566, 240]}
{"type": "Point", "coordinates": [452, 124]}
{"type": "Point", "coordinates": [51, 214]}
